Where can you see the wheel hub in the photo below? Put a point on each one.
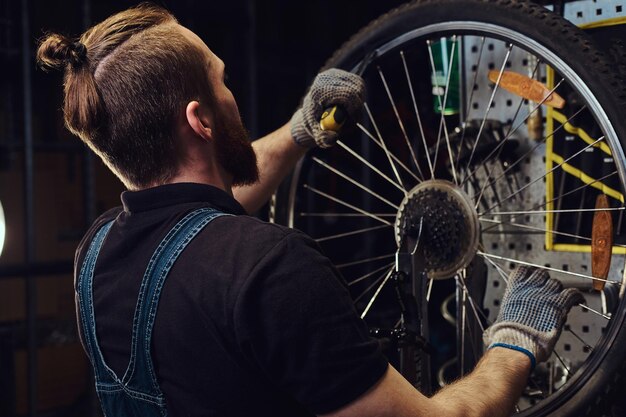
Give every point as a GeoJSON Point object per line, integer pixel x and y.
{"type": "Point", "coordinates": [450, 227]}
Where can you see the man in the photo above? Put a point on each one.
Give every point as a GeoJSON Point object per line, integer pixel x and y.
{"type": "Point", "coordinates": [188, 307]}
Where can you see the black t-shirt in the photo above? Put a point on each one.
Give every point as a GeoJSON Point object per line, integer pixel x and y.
{"type": "Point", "coordinates": [253, 319]}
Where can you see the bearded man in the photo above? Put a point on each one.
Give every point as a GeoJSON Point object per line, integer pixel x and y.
{"type": "Point", "coordinates": [187, 306]}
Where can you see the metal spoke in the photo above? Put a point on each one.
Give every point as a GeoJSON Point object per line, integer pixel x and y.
{"type": "Point", "coordinates": [369, 274]}
{"type": "Point", "coordinates": [353, 181]}
{"type": "Point", "coordinates": [548, 268]}
{"type": "Point", "coordinates": [434, 71]}
{"type": "Point", "coordinates": [595, 311]}
{"type": "Point", "coordinates": [395, 158]}
{"type": "Point", "coordinates": [531, 150]}
{"type": "Point", "coordinates": [362, 261]}
{"type": "Point", "coordinates": [417, 115]}
{"type": "Point", "coordinates": [501, 272]}
{"type": "Point", "coordinates": [372, 285]}
{"type": "Point", "coordinates": [393, 166]}
{"type": "Point", "coordinates": [442, 124]}
{"type": "Point", "coordinates": [326, 214]}
{"type": "Point", "coordinates": [395, 110]}
{"type": "Point", "coordinates": [504, 276]}
{"type": "Point", "coordinates": [499, 213]}
{"type": "Point", "coordinates": [500, 145]}
{"type": "Point", "coordinates": [370, 166]}
{"type": "Point", "coordinates": [562, 363]}
{"type": "Point", "coordinates": [469, 101]}
{"type": "Point", "coordinates": [587, 345]}
{"type": "Point", "coordinates": [352, 233]}
{"type": "Point", "coordinates": [547, 173]}
{"type": "Point", "coordinates": [524, 226]}
{"type": "Point", "coordinates": [350, 206]}
{"type": "Point", "coordinates": [378, 290]}
{"type": "Point", "coordinates": [472, 304]}
{"type": "Point", "coordinates": [521, 102]}
{"type": "Point", "coordinates": [540, 205]}
{"type": "Point", "coordinates": [493, 94]}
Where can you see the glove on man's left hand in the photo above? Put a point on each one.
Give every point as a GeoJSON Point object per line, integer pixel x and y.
{"type": "Point", "coordinates": [532, 313]}
{"type": "Point", "coordinates": [333, 87]}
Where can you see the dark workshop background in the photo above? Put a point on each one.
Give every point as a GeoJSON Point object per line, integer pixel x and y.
{"type": "Point", "coordinates": [51, 188]}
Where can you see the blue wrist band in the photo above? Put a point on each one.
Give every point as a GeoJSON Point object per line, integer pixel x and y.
{"type": "Point", "coordinates": [533, 361]}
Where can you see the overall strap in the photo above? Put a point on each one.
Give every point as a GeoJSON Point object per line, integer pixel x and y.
{"type": "Point", "coordinates": [140, 373]}
{"type": "Point", "coordinates": [85, 300]}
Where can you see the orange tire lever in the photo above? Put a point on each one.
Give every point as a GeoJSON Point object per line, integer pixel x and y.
{"type": "Point", "coordinates": [601, 242]}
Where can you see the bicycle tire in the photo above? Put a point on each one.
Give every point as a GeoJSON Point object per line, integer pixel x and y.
{"type": "Point", "coordinates": [592, 392]}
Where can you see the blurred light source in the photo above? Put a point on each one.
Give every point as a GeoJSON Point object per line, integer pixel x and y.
{"type": "Point", "coordinates": [3, 228]}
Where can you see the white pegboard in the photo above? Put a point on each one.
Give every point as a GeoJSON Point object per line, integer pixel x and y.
{"type": "Point", "coordinates": [588, 11]}
{"type": "Point", "coordinates": [530, 247]}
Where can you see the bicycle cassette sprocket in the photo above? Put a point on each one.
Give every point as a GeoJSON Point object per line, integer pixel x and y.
{"type": "Point", "coordinates": [450, 227]}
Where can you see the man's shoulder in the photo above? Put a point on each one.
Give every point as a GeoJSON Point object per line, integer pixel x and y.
{"type": "Point", "coordinates": [256, 233]}
{"type": "Point", "coordinates": [104, 218]}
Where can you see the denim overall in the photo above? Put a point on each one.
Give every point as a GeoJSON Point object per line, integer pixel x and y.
{"type": "Point", "coordinates": [137, 393]}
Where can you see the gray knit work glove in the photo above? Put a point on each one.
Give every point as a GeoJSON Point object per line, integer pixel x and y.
{"type": "Point", "coordinates": [331, 87]}
{"type": "Point", "coordinates": [532, 313]}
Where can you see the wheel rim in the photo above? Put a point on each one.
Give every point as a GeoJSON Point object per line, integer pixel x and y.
{"type": "Point", "coordinates": [379, 263]}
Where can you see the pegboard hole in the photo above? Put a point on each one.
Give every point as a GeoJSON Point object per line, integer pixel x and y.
{"type": "Point", "coordinates": [474, 49]}
{"type": "Point", "coordinates": [490, 47]}
{"type": "Point", "coordinates": [579, 15]}
{"type": "Point", "coordinates": [565, 267]}
{"type": "Point", "coordinates": [567, 347]}
{"type": "Point", "coordinates": [475, 106]}
{"type": "Point", "coordinates": [511, 246]}
{"type": "Point", "coordinates": [475, 87]}
{"type": "Point", "coordinates": [494, 245]}
{"type": "Point", "coordinates": [509, 103]}
{"type": "Point", "coordinates": [566, 327]}
{"type": "Point", "coordinates": [496, 303]}
{"type": "Point", "coordinates": [496, 283]}
{"type": "Point", "coordinates": [583, 268]}
{"type": "Point", "coordinates": [585, 329]}
{"type": "Point", "coordinates": [529, 246]}
{"type": "Point", "coordinates": [511, 266]}
{"type": "Point", "coordinates": [618, 9]}
{"type": "Point", "coordinates": [598, 12]}
{"type": "Point", "coordinates": [524, 62]}
{"type": "Point", "coordinates": [586, 349]}
{"type": "Point", "coordinates": [474, 68]}
{"type": "Point", "coordinates": [492, 66]}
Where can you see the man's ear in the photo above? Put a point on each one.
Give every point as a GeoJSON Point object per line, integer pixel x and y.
{"type": "Point", "coordinates": [199, 123]}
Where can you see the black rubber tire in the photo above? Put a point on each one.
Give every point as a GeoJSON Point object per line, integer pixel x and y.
{"type": "Point", "coordinates": [593, 393]}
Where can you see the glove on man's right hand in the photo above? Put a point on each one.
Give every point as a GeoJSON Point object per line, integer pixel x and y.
{"type": "Point", "coordinates": [532, 313]}
{"type": "Point", "coordinates": [333, 87]}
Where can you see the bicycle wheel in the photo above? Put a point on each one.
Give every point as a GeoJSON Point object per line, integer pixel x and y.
{"type": "Point", "coordinates": [449, 119]}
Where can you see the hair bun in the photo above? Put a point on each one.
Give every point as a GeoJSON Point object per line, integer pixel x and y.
{"type": "Point", "coordinates": [57, 51]}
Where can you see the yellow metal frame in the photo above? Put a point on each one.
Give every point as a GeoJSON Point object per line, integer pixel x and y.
{"type": "Point", "coordinates": [552, 158]}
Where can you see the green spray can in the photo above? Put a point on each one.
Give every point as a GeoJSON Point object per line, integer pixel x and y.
{"type": "Point", "coordinates": [445, 53]}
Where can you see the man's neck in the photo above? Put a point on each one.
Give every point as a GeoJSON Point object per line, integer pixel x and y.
{"type": "Point", "coordinates": [220, 181]}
